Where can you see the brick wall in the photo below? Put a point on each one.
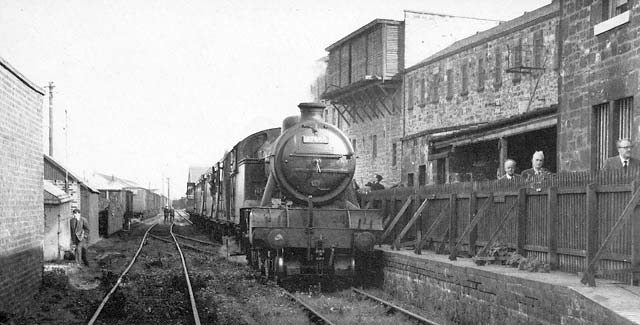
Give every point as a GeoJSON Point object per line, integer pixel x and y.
{"type": "Point", "coordinates": [21, 192]}
{"type": "Point", "coordinates": [473, 296]}
{"type": "Point", "coordinates": [596, 69]}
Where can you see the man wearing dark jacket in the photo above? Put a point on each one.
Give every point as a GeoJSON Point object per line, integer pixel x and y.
{"type": "Point", "coordinates": [623, 160]}
{"type": "Point", "coordinates": [79, 235]}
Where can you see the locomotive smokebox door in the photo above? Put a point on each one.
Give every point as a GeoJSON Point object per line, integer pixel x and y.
{"type": "Point", "coordinates": [313, 158]}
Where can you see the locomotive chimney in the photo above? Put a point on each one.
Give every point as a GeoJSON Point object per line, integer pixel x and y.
{"type": "Point", "coordinates": [311, 111]}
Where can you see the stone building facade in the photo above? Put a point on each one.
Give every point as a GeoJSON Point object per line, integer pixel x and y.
{"type": "Point", "coordinates": [484, 99]}
{"type": "Point", "coordinates": [600, 81]}
{"type": "Point", "coordinates": [21, 190]}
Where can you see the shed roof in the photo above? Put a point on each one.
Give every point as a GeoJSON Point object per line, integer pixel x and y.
{"type": "Point", "coordinates": [49, 160]}
{"type": "Point", "coordinates": [17, 74]}
{"type": "Point", "coordinates": [363, 29]}
{"type": "Point", "coordinates": [53, 194]}
{"type": "Point", "coordinates": [111, 182]}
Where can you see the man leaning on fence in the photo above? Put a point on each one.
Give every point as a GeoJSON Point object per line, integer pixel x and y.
{"type": "Point", "coordinates": [510, 171]}
{"type": "Point", "coordinates": [623, 161]}
{"type": "Point", "coordinates": [536, 172]}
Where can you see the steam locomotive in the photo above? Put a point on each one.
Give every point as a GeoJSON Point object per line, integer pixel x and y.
{"type": "Point", "coordinates": [288, 197]}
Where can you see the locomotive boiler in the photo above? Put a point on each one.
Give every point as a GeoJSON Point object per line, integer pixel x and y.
{"type": "Point", "coordinates": [308, 220]}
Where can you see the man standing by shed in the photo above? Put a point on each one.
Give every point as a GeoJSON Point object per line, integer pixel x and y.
{"type": "Point", "coordinates": [79, 235]}
{"type": "Point", "coordinates": [623, 160]}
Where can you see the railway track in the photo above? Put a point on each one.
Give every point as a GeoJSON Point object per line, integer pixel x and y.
{"type": "Point", "coordinates": [194, 317]}
{"type": "Point", "coordinates": [314, 316]}
{"type": "Point", "coordinates": [392, 306]}
{"type": "Point", "coordinates": [354, 306]}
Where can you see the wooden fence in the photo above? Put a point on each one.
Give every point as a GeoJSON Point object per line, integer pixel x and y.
{"type": "Point", "coordinates": [577, 222]}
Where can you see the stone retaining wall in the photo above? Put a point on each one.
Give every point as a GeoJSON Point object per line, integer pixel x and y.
{"type": "Point", "coordinates": [474, 296]}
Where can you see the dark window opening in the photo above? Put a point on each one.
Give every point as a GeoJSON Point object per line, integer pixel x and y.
{"type": "Point", "coordinates": [449, 84]}
{"type": "Point", "coordinates": [497, 76]}
{"type": "Point", "coordinates": [422, 175]}
{"type": "Point", "coordinates": [423, 86]}
{"type": "Point", "coordinates": [481, 74]}
{"type": "Point", "coordinates": [410, 96]}
{"type": "Point", "coordinates": [609, 126]}
{"type": "Point", "coordinates": [394, 152]}
{"type": "Point", "coordinates": [465, 79]}
{"type": "Point", "coordinates": [410, 180]}
{"type": "Point", "coordinates": [517, 60]}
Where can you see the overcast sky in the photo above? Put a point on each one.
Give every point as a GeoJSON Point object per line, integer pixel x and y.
{"type": "Point", "coordinates": [152, 87]}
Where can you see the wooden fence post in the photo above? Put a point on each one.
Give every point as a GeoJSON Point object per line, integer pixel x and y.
{"type": "Point", "coordinates": [473, 235]}
{"type": "Point", "coordinates": [635, 240]}
{"type": "Point", "coordinates": [552, 227]}
{"type": "Point", "coordinates": [521, 224]}
{"type": "Point", "coordinates": [592, 233]}
{"type": "Point", "coordinates": [453, 221]}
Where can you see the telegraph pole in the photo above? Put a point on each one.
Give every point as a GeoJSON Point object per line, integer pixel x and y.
{"type": "Point", "coordinates": [169, 191]}
{"type": "Point", "coordinates": [50, 86]}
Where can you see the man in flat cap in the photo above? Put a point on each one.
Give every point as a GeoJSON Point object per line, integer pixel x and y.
{"type": "Point", "coordinates": [623, 160]}
{"type": "Point", "coordinates": [536, 171]}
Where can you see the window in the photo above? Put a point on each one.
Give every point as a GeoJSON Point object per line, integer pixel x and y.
{"type": "Point", "coordinates": [449, 84]}
{"type": "Point", "coordinates": [339, 120]}
{"type": "Point", "coordinates": [517, 60]}
{"type": "Point", "coordinates": [394, 152]}
{"type": "Point", "coordinates": [333, 116]}
{"type": "Point", "coordinates": [423, 85]}
{"type": "Point", "coordinates": [614, 13]}
{"type": "Point", "coordinates": [410, 101]}
{"type": "Point", "coordinates": [415, 145]}
{"type": "Point", "coordinates": [497, 73]}
{"type": "Point", "coordinates": [353, 144]}
{"type": "Point", "coordinates": [481, 74]}
{"type": "Point", "coordinates": [374, 146]}
{"type": "Point", "coordinates": [410, 180]}
{"type": "Point", "coordinates": [609, 126]}
{"type": "Point", "coordinates": [465, 79]}
{"type": "Point", "coordinates": [422, 175]}
{"type": "Point", "coordinates": [538, 49]}
{"type": "Point", "coordinates": [612, 8]}
{"type": "Point", "coordinates": [441, 171]}
{"type": "Point", "coordinates": [435, 83]}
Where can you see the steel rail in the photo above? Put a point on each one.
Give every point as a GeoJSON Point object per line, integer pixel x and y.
{"type": "Point", "coordinates": [398, 308]}
{"type": "Point", "coordinates": [183, 245]}
{"type": "Point", "coordinates": [196, 240]}
{"type": "Point", "coordinates": [113, 289]}
{"type": "Point", "coordinates": [194, 309]}
{"type": "Point", "coordinates": [184, 216]}
{"type": "Point", "coordinates": [314, 316]}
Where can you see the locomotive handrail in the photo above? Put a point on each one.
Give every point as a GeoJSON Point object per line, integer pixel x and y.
{"type": "Point", "coordinates": [313, 155]}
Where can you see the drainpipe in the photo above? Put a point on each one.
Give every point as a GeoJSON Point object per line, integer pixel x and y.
{"type": "Point", "coordinates": [559, 71]}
